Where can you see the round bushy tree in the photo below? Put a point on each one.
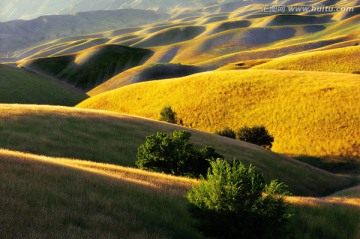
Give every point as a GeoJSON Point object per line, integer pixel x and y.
{"type": "Point", "coordinates": [234, 202]}
{"type": "Point", "coordinates": [226, 132]}
{"type": "Point", "coordinates": [255, 135]}
{"type": "Point", "coordinates": [167, 114]}
{"type": "Point", "coordinates": [174, 154]}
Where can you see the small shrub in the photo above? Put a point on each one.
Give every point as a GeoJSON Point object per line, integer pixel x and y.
{"type": "Point", "coordinates": [168, 115]}
{"type": "Point", "coordinates": [227, 132]}
{"type": "Point", "coordinates": [255, 135]}
{"type": "Point", "coordinates": [174, 154]}
{"type": "Point", "coordinates": [234, 202]}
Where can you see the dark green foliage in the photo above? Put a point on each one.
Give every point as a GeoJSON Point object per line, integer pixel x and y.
{"type": "Point", "coordinates": [255, 135]}
{"type": "Point", "coordinates": [174, 154]}
{"type": "Point", "coordinates": [168, 115]}
{"type": "Point", "coordinates": [227, 132]}
{"type": "Point", "coordinates": [234, 202]}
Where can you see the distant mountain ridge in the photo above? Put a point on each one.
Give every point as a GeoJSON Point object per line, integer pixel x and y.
{"type": "Point", "coordinates": [23, 9]}
{"type": "Point", "coordinates": [20, 34]}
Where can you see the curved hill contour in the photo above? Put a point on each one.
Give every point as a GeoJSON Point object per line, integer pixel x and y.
{"type": "Point", "coordinates": [112, 138]}
{"type": "Point", "coordinates": [145, 73]}
{"type": "Point", "coordinates": [303, 110]}
{"type": "Point", "coordinates": [345, 60]}
{"type": "Point", "coordinates": [91, 67]}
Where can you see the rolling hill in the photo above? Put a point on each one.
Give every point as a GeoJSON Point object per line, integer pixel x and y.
{"type": "Point", "coordinates": [111, 138]}
{"type": "Point", "coordinates": [345, 60]}
{"type": "Point", "coordinates": [91, 67]}
{"type": "Point", "coordinates": [68, 172]}
{"type": "Point", "coordinates": [19, 34]}
{"type": "Point", "coordinates": [69, 198]}
{"type": "Point", "coordinates": [43, 196]}
{"type": "Point", "coordinates": [309, 113]}
{"type": "Point", "coordinates": [25, 87]}
{"type": "Point", "coordinates": [145, 73]}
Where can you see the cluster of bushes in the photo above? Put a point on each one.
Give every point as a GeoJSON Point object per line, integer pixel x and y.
{"type": "Point", "coordinates": [255, 135]}
{"type": "Point", "coordinates": [173, 154]}
{"type": "Point", "coordinates": [235, 202]}
{"type": "Point", "coordinates": [232, 202]}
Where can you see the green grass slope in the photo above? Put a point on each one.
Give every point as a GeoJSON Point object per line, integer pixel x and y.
{"type": "Point", "coordinates": [345, 60]}
{"type": "Point", "coordinates": [25, 87]}
{"type": "Point", "coordinates": [309, 113]}
{"type": "Point", "coordinates": [145, 73]}
{"type": "Point", "coordinates": [112, 138]}
{"type": "Point", "coordinates": [91, 67]}
{"type": "Point", "coordinates": [43, 199]}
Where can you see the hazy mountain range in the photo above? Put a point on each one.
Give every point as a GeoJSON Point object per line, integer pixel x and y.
{"type": "Point", "coordinates": [24, 9]}
{"type": "Point", "coordinates": [19, 34]}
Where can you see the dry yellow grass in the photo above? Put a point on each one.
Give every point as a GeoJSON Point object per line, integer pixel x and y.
{"type": "Point", "coordinates": [345, 60]}
{"type": "Point", "coordinates": [44, 197]}
{"type": "Point", "coordinates": [69, 198]}
{"type": "Point", "coordinates": [309, 113]}
{"type": "Point", "coordinates": [113, 138]}
{"type": "Point", "coordinates": [313, 201]}
{"type": "Point", "coordinates": [158, 181]}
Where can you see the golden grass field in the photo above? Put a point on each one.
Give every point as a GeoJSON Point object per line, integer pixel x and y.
{"type": "Point", "coordinates": [68, 172]}
{"type": "Point", "coordinates": [309, 113]}
{"type": "Point", "coordinates": [343, 60]}
{"type": "Point", "coordinates": [113, 138]}
{"type": "Point", "coordinates": [72, 198]}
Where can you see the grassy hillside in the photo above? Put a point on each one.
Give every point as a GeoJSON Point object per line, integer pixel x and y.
{"type": "Point", "coordinates": [170, 35]}
{"type": "Point", "coordinates": [345, 60]}
{"type": "Point", "coordinates": [321, 217]}
{"type": "Point", "coordinates": [220, 34]}
{"type": "Point", "coordinates": [69, 198]}
{"type": "Point", "coordinates": [309, 113]}
{"type": "Point", "coordinates": [48, 196]}
{"type": "Point", "coordinates": [21, 86]}
{"type": "Point", "coordinates": [145, 73]}
{"type": "Point", "coordinates": [89, 68]}
{"type": "Point", "coordinates": [112, 138]}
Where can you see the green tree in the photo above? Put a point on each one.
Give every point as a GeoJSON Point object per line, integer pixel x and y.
{"type": "Point", "coordinates": [234, 202]}
{"type": "Point", "coordinates": [167, 114]}
{"type": "Point", "coordinates": [226, 132]}
{"type": "Point", "coordinates": [174, 154]}
{"type": "Point", "coordinates": [255, 135]}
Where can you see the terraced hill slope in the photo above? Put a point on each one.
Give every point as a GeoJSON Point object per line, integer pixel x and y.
{"type": "Point", "coordinates": [309, 113]}
{"type": "Point", "coordinates": [112, 138]}
{"type": "Point", "coordinates": [25, 87]}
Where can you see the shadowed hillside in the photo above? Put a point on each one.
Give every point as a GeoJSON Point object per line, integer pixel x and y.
{"type": "Point", "coordinates": [42, 196]}
{"type": "Point", "coordinates": [145, 73]}
{"type": "Point", "coordinates": [89, 68]}
{"type": "Point", "coordinates": [25, 87]}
